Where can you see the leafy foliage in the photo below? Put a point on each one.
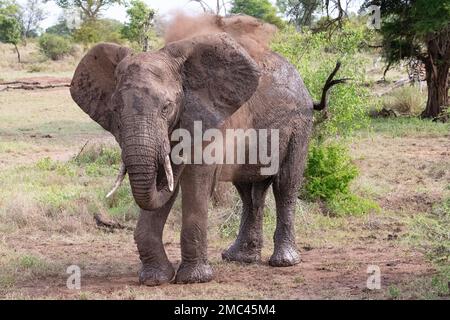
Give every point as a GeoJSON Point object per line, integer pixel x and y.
{"type": "Point", "coordinates": [91, 9]}
{"type": "Point", "coordinates": [139, 28]}
{"type": "Point", "coordinates": [406, 25]}
{"type": "Point", "coordinates": [102, 30]}
{"type": "Point", "coordinates": [55, 47]}
{"type": "Point", "coordinates": [419, 29]}
{"type": "Point", "coordinates": [328, 176]}
{"type": "Point", "coordinates": [315, 55]}
{"type": "Point", "coordinates": [299, 12]}
{"type": "Point", "coordinates": [60, 29]}
{"type": "Point", "coordinates": [261, 9]}
{"type": "Point", "coordinates": [10, 26]}
{"type": "Point", "coordinates": [329, 172]}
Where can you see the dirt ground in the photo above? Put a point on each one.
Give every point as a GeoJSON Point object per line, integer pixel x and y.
{"type": "Point", "coordinates": [405, 175]}
{"type": "Point", "coordinates": [110, 271]}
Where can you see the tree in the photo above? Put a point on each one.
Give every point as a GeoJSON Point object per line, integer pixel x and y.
{"type": "Point", "coordinates": [299, 12]}
{"type": "Point", "coordinates": [60, 29]}
{"type": "Point", "coordinates": [10, 27]}
{"type": "Point", "coordinates": [261, 9]}
{"type": "Point", "coordinates": [32, 15]}
{"type": "Point", "coordinates": [419, 29]}
{"type": "Point", "coordinates": [101, 30]}
{"type": "Point", "coordinates": [91, 9]}
{"type": "Point", "coordinates": [139, 27]}
{"type": "Point", "coordinates": [220, 6]}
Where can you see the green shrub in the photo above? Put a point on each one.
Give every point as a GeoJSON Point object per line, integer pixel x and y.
{"type": "Point", "coordinates": [55, 47]}
{"type": "Point", "coordinates": [328, 176]}
{"type": "Point", "coordinates": [329, 171]}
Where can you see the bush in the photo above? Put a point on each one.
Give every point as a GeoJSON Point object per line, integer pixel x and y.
{"type": "Point", "coordinates": [328, 175]}
{"type": "Point", "coordinates": [407, 101]}
{"type": "Point", "coordinates": [329, 172]}
{"type": "Point", "coordinates": [55, 47]}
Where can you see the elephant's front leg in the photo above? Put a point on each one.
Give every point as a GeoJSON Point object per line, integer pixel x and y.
{"type": "Point", "coordinates": [196, 187]}
{"type": "Point", "coordinates": [156, 267]}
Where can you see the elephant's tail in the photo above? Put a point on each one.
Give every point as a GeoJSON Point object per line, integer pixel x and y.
{"type": "Point", "coordinates": [322, 105]}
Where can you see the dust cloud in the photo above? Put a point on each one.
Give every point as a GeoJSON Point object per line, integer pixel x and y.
{"type": "Point", "coordinates": [249, 32]}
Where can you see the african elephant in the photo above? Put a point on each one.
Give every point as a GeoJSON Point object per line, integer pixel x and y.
{"type": "Point", "coordinates": [142, 98]}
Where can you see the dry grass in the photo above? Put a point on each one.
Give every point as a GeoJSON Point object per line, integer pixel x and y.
{"type": "Point", "coordinates": [34, 64]}
{"type": "Point", "coordinates": [407, 100]}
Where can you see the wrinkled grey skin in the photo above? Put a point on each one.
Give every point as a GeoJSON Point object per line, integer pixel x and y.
{"type": "Point", "coordinates": [142, 98]}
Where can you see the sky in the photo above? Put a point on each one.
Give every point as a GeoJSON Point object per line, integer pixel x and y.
{"type": "Point", "coordinates": [164, 8]}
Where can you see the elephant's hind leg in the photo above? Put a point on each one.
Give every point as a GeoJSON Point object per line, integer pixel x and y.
{"type": "Point", "coordinates": [156, 267]}
{"type": "Point", "coordinates": [248, 245]}
{"type": "Point", "coordinates": [285, 188]}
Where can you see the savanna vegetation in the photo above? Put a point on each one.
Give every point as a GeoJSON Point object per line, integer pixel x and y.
{"type": "Point", "coordinates": [377, 182]}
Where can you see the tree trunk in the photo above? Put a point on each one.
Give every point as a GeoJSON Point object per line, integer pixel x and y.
{"type": "Point", "coordinates": [437, 92]}
{"type": "Point", "coordinates": [18, 53]}
{"type": "Point", "coordinates": [437, 67]}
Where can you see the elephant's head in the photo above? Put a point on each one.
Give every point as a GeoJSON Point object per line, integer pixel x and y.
{"type": "Point", "coordinates": [142, 98]}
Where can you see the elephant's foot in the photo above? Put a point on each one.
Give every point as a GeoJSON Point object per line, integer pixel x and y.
{"type": "Point", "coordinates": [194, 273]}
{"type": "Point", "coordinates": [242, 252]}
{"type": "Point", "coordinates": [285, 255]}
{"type": "Point", "coordinates": [155, 275]}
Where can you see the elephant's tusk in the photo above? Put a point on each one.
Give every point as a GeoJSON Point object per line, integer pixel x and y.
{"type": "Point", "coordinates": [169, 172]}
{"type": "Point", "coordinates": [120, 177]}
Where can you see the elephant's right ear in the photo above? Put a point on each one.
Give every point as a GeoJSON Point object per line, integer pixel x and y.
{"type": "Point", "coordinates": [94, 83]}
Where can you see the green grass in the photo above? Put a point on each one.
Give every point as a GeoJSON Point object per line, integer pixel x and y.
{"type": "Point", "coordinates": [45, 195]}
{"type": "Point", "coordinates": [394, 292]}
{"type": "Point", "coordinates": [351, 204]}
{"type": "Point", "coordinates": [42, 113]}
{"type": "Point", "coordinates": [431, 233]}
{"type": "Point", "coordinates": [408, 127]}
{"type": "Point", "coordinates": [18, 266]}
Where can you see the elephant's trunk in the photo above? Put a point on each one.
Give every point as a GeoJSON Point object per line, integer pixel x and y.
{"type": "Point", "coordinates": [145, 153]}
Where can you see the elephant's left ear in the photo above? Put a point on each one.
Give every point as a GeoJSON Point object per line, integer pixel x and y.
{"type": "Point", "coordinates": [94, 83]}
{"type": "Point", "coordinates": [219, 76]}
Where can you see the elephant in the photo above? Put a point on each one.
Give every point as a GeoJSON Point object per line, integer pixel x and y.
{"type": "Point", "coordinates": [141, 99]}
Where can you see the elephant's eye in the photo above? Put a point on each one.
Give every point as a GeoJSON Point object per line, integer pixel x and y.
{"type": "Point", "coordinates": [165, 110]}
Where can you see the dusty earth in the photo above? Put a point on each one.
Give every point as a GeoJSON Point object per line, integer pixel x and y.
{"type": "Point", "coordinates": [110, 265]}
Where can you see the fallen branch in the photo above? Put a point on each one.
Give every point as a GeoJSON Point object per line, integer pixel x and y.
{"type": "Point", "coordinates": [33, 86]}
{"type": "Point", "coordinates": [106, 223]}
{"type": "Point", "coordinates": [396, 85]}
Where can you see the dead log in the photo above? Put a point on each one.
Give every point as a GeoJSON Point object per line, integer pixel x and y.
{"type": "Point", "coordinates": [104, 222]}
